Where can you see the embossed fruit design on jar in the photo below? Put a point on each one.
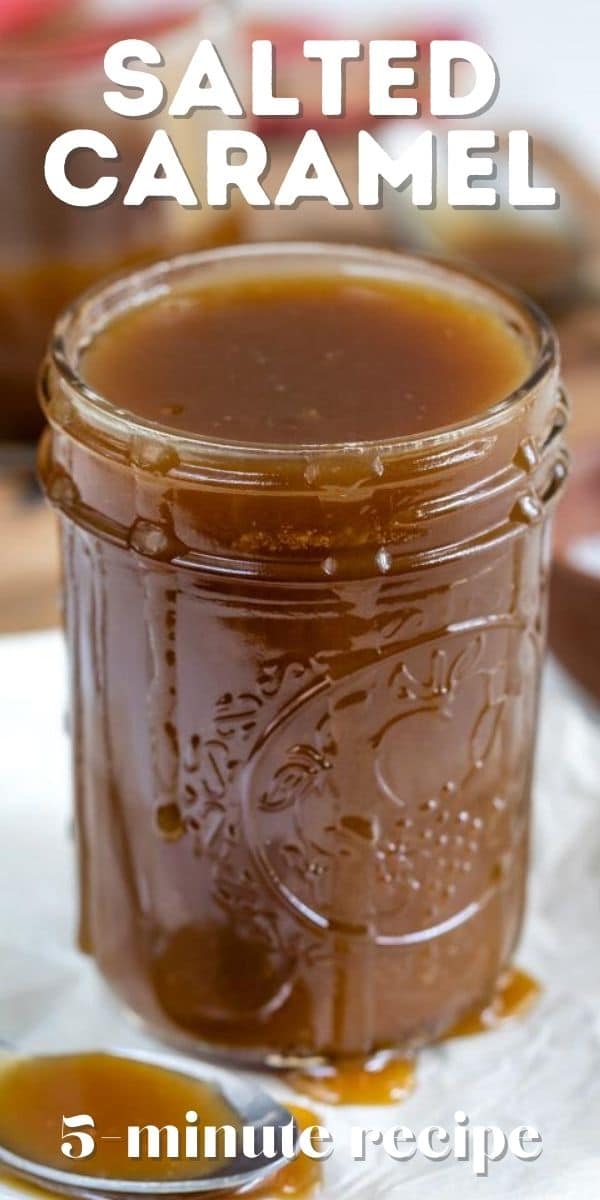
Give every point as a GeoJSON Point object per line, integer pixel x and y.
{"type": "Point", "coordinates": [304, 497]}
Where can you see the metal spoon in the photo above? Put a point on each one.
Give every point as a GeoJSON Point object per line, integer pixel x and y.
{"type": "Point", "coordinates": [253, 1106]}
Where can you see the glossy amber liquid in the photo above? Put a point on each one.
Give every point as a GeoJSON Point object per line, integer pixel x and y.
{"type": "Point", "coordinates": [307, 360]}
{"type": "Point", "coordinates": [35, 1093]}
{"type": "Point", "coordinates": [118, 1092]}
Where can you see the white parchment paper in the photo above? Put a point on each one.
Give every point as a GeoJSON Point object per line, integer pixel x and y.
{"type": "Point", "coordinates": [542, 1071]}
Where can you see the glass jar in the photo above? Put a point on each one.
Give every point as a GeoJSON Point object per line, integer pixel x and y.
{"type": "Point", "coordinates": [52, 80]}
{"type": "Point", "coordinates": [304, 694]}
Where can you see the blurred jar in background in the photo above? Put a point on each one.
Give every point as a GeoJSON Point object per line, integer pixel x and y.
{"type": "Point", "coordinates": [539, 251]}
{"type": "Point", "coordinates": [52, 80]}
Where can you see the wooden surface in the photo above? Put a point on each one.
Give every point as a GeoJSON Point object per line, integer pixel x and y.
{"type": "Point", "coordinates": [29, 579]}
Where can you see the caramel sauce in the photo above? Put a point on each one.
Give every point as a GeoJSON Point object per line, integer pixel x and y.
{"type": "Point", "coordinates": [117, 1092]}
{"type": "Point", "coordinates": [516, 992]}
{"type": "Point", "coordinates": [357, 1081]}
{"type": "Point", "coordinates": [291, 360]}
{"type": "Point", "coordinates": [108, 1088]}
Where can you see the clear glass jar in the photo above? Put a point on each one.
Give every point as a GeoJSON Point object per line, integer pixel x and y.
{"type": "Point", "coordinates": [52, 81]}
{"type": "Point", "coordinates": [304, 693]}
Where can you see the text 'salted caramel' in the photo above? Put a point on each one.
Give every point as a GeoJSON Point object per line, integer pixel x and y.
{"type": "Point", "coordinates": [304, 497]}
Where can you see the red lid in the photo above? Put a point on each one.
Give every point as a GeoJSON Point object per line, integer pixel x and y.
{"type": "Point", "coordinates": [296, 77]}
{"type": "Point", "coordinates": [17, 16]}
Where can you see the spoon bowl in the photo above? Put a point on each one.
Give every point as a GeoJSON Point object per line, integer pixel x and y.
{"type": "Point", "coordinates": [250, 1104]}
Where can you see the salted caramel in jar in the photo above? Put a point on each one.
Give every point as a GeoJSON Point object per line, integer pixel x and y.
{"type": "Point", "coordinates": [52, 81]}
{"type": "Point", "coordinates": [304, 494]}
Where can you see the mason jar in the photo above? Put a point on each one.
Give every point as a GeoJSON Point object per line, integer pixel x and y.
{"type": "Point", "coordinates": [52, 80]}
{"type": "Point", "coordinates": [304, 689]}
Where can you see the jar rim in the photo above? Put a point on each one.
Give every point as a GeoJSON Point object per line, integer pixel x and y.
{"type": "Point", "coordinates": [129, 290]}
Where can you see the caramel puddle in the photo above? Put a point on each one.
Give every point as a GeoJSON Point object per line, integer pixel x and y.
{"type": "Point", "coordinates": [376, 1080]}
{"type": "Point", "coordinates": [117, 1092]}
{"type": "Point", "coordinates": [384, 1079]}
{"type": "Point", "coordinates": [515, 994]}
